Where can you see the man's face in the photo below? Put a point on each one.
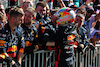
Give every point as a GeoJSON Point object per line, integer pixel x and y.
{"type": "Point", "coordinates": [47, 11]}
{"type": "Point", "coordinates": [40, 9]}
{"type": "Point", "coordinates": [79, 20]}
{"type": "Point", "coordinates": [18, 20]}
{"type": "Point", "coordinates": [44, 11]}
{"type": "Point", "coordinates": [28, 17]}
{"type": "Point", "coordinates": [54, 19]}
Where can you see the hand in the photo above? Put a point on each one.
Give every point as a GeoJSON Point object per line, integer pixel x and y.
{"type": "Point", "coordinates": [16, 65]}
{"type": "Point", "coordinates": [79, 48]}
{"type": "Point", "coordinates": [12, 63]}
{"type": "Point", "coordinates": [75, 46]}
{"type": "Point", "coordinates": [82, 45]}
{"type": "Point", "coordinates": [91, 46]}
{"type": "Point", "coordinates": [36, 48]}
{"type": "Point", "coordinates": [50, 44]}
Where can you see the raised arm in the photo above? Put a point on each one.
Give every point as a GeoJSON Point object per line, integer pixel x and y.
{"type": "Point", "coordinates": [61, 3]}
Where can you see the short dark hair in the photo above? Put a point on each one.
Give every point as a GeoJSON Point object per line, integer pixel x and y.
{"type": "Point", "coordinates": [7, 10]}
{"type": "Point", "coordinates": [15, 12]}
{"type": "Point", "coordinates": [40, 3]}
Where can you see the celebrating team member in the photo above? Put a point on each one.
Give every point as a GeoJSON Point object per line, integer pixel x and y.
{"type": "Point", "coordinates": [12, 38]}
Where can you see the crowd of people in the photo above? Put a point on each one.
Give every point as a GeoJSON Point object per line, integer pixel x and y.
{"type": "Point", "coordinates": [24, 30]}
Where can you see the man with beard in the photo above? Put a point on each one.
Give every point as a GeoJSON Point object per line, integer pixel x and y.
{"type": "Point", "coordinates": [40, 7]}
{"type": "Point", "coordinates": [30, 31]}
{"type": "Point", "coordinates": [12, 39]}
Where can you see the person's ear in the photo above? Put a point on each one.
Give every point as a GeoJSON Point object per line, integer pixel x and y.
{"type": "Point", "coordinates": [13, 18]}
